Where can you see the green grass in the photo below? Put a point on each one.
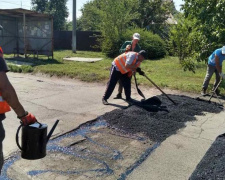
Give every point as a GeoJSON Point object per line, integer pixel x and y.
{"type": "Point", "coordinates": [166, 72]}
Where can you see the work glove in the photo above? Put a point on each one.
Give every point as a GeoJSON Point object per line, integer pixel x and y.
{"type": "Point", "coordinates": [27, 119]}
{"type": "Point", "coordinates": [140, 71]}
{"type": "Point", "coordinates": [222, 75]}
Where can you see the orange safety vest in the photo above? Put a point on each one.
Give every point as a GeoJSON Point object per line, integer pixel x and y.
{"type": "Point", "coordinates": [1, 51]}
{"type": "Point", "coordinates": [120, 62]}
{"type": "Point", "coordinates": [4, 107]}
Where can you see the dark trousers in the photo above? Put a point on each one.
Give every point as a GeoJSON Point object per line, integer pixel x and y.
{"type": "Point", "coordinates": [113, 79]}
{"type": "Point", "coordinates": [2, 136]}
{"type": "Point", "coordinates": [120, 88]}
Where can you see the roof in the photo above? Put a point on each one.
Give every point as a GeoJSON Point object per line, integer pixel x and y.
{"type": "Point", "coordinates": [171, 19]}
{"type": "Point", "coordinates": [19, 13]}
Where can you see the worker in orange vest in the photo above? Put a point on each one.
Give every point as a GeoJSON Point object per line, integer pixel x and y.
{"type": "Point", "coordinates": [8, 98]}
{"type": "Point", "coordinates": [122, 68]}
{"type": "Point", "coordinates": [126, 47]}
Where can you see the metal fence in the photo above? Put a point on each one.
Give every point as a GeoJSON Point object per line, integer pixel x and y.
{"type": "Point", "coordinates": [86, 40]}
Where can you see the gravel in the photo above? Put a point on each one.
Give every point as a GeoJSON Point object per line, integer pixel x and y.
{"type": "Point", "coordinates": [159, 125]}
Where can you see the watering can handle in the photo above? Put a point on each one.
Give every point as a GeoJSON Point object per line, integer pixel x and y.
{"type": "Point", "coordinates": [52, 130]}
{"type": "Point", "coordinates": [17, 137]}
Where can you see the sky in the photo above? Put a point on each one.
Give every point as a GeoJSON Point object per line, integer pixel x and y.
{"type": "Point", "coordinates": [10, 4]}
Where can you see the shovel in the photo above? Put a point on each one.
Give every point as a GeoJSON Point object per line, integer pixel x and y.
{"type": "Point", "coordinates": [138, 90]}
{"type": "Point", "coordinates": [159, 89]}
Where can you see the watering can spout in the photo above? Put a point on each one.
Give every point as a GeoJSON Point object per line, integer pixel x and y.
{"type": "Point", "coordinates": [52, 130]}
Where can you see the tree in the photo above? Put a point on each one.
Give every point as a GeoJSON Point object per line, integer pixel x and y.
{"type": "Point", "coordinates": [91, 18]}
{"type": "Point", "coordinates": [209, 21]}
{"type": "Point", "coordinates": [59, 11]}
{"type": "Point", "coordinates": [147, 12]}
{"type": "Point", "coordinates": [184, 38]}
{"type": "Point", "coordinates": [39, 5]}
{"type": "Point", "coordinates": [56, 8]}
{"type": "Point", "coordinates": [153, 12]}
{"type": "Point", "coordinates": [69, 26]}
{"type": "Point", "coordinates": [116, 17]}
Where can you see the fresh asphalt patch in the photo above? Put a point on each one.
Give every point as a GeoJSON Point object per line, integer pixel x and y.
{"type": "Point", "coordinates": [212, 165]}
{"type": "Point", "coordinates": [159, 125]}
{"type": "Point", "coordinates": [112, 146]}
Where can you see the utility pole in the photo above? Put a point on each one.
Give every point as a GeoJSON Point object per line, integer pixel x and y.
{"type": "Point", "coordinates": [74, 41]}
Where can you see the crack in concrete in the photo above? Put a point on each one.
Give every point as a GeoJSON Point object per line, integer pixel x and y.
{"type": "Point", "coordinates": [195, 138]}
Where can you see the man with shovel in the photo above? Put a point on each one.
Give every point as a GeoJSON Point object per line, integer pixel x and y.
{"type": "Point", "coordinates": [215, 61]}
{"type": "Point", "coordinates": [8, 98]}
{"type": "Point", "coordinates": [123, 65]}
{"type": "Point", "coordinates": [126, 47]}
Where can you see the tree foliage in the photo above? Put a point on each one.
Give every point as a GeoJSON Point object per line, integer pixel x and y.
{"type": "Point", "coordinates": [59, 11]}
{"type": "Point", "coordinates": [199, 32]}
{"type": "Point", "coordinates": [153, 12]}
{"type": "Point", "coordinates": [141, 13]}
{"type": "Point", "coordinates": [209, 22]}
{"type": "Point", "coordinates": [39, 5]}
{"type": "Point", "coordinates": [113, 18]}
{"type": "Point", "coordinates": [91, 18]}
{"type": "Point", "coordinates": [56, 8]}
{"type": "Point", "coordinates": [184, 39]}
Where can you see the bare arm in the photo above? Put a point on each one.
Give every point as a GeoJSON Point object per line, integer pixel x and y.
{"type": "Point", "coordinates": [218, 67]}
{"type": "Point", "coordinates": [123, 48]}
{"type": "Point", "coordinates": [9, 95]}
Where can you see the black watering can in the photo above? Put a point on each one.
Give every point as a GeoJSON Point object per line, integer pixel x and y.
{"type": "Point", "coordinates": [34, 140]}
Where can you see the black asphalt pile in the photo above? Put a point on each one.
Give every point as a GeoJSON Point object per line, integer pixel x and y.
{"type": "Point", "coordinates": [159, 125]}
{"type": "Point", "coordinates": [212, 166]}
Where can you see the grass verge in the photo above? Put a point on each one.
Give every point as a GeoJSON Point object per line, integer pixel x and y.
{"type": "Point", "coordinates": [166, 72]}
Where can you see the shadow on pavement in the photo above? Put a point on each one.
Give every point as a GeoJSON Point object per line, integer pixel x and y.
{"type": "Point", "coordinates": [118, 106]}
{"type": "Point", "coordinates": [33, 61]}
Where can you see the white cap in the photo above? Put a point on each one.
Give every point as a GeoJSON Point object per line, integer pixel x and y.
{"type": "Point", "coordinates": [136, 36]}
{"type": "Point", "coordinates": [223, 50]}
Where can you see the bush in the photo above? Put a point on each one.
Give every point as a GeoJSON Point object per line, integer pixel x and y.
{"type": "Point", "coordinates": [111, 47]}
{"type": "Point", "coordinates": [151, 43]}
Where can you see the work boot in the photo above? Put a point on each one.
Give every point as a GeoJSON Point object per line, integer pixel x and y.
{"type": "Point", "coordinates": [118, 96]}
{"type": "Point", "coordinates": [203, 92]}
{"type": "Point", "coordinates": [104, 101]}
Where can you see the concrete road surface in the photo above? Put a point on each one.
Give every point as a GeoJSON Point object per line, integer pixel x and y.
{"type": "Point", "coordinates": [74, 103]}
